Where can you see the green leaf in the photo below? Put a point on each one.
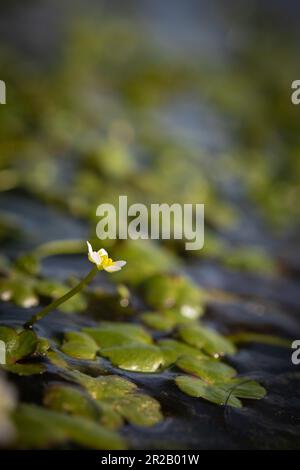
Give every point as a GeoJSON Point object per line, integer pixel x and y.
{"type": "Point", "coordinates": [42, 346]}
{"type": "Point", "coordinates": [245, 388]}
{"type": "Point", "coordinates": [18, 345]}
{"type": "Point", "coordinates": [248, 337]}
{"type": "Point", "coordinates": [138, 358]}
{"type": "Point", "coordinates": [105, 386]}
{"type": "Point", "coordinates": [18, 289]}
{"type": "Point", "coordinates": [139, 409]}
{"type": "Point", "coordinates": [173, 349]}
{"type": "Point", "coordinates": [209, 340]}
{"type": "Point", "coordinates": [111, 334]}
{"type": "Point", "coordinates": [118, 395]}
{"type": "Point", "coordinates": [158, 321]}
{"type": "Point", "coordinates": [207, 369]}
{"type": "Point", "coordinates": [144, 258]}
{"type": "Point", "coordinates": [165, 292]}
{"type": "Point", "coordinates": [25, 369]}
{"type": "Point", "coordinates": [79, 345]}
{"type": "Point", "coordinates": [71, 400]}
{"type": "Point", "coordinates": [28, 263]}
{"type": "Point", "coordinates": [41, 428]}
{"type": "Point", "coordinates": [197, 388]}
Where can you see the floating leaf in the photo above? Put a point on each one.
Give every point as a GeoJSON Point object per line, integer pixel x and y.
{"type": "Point", "coordinates": [138, 358]}
{"type": "Point", "coordinates": [158, 321]}
{"type": "Point", "coordinates": [79, 345]}
{"type": "Point", "coordinates": [18, 289]}
{"type": "Point", "coordinates": [165, 292]}
{"type": "Point", "coordinates": [207, 369]}
{"type": "Point", "coordinates": [248, 337]}
{"type": "Point", "coordinates": [118, 334]}
{"type": "Point", "coordinates": [173, 349]}
{"type": "Point", "coordinates": [155, 259]}
{"type": "Point", "coordinates": [42, 346]}
{"type": "Point", "coordinates": [118, 395]}
{"type": "Point", "coordinates": [209, 340]}
{"type": "Point", "coordinates": [29, 263]}
{"type": "Point", "coordinates": [25, 369]}
{"type": "Point", "coordinates": [105, 386]}
{"type": "Point", "coordinates": [242, 387]}
{"type": "Point", "coordinates": [40, 428]}
{"type": "Point", "coordinates": [18, 345]}
{"type": "Point", "coordinates": [198, 388]}
{"type": "Point", "coordinates": [139, 409]}
{"type": "Point", "coordinates": [71, 400]}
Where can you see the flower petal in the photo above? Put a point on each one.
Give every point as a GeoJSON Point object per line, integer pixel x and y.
{"type": "Point", "coordinates": [90, 248]}
{"type": "Point", "coordinates": [96, 258]}
{"type": "Point", "coordinates": [120, 263]}
{"type": "Point", "coordinates": [112, 268]}
{"type": "Point", "coordinates": [103, 252]}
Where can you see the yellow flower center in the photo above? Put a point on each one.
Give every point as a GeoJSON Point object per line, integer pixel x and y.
{"type": "Point", "coordinates": [106, 261]}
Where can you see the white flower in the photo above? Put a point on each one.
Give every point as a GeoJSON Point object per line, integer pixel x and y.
{"type": "Point", "coordinates": [102, 261]}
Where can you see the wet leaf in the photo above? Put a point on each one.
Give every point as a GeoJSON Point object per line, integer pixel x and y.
{"type": "Point", "coordinates": [25, 369]}
{"type": "Point", "coordinates": [19, 290]}
{"type": "Point", "coordinates": [242, 387]}
{"type": "Point", "coordinates": [72, 400]}
{"type": "Point", "coordinates": [18, 345]}
{"type": "Point", "coordinates": [118, 334]}
{"type": "Point", "coordinates": [40, 428]}
{"type": "Point", "coordinates": [248, 337]}
{"type": "Point", "coordinates": [207, 369]}
{"type": "Point", "coordinates": [165, 292]}
{"type": "Point", "coordinates": [79, 345]}
{"type": "Point", "coordinates": [28, 263]}
{"type": "Point", "coordinates": [105, 386]}
{"type": "Point", "coordinates": [198, 388]}
{"type": "Point", "coordinates": [158, 321]}
{"type": "Point", "coordinates": [155, 259]}
{"type": "Point", "coordinates": [138, 358]}
{"type": "Point", "coordinates": [42, 346]}
{"type": "Point", "coordinates": [139, 409]}
{"type": "Point", "coordinates": [118, 395]}
{"type": "Point", "coordinates": [173, 349]}
{"type": "Point", "coordinates": [209, 340]}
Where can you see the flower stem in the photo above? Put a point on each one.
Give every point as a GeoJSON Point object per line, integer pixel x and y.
{"type": "Point", "coordinates": [42, 313]}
